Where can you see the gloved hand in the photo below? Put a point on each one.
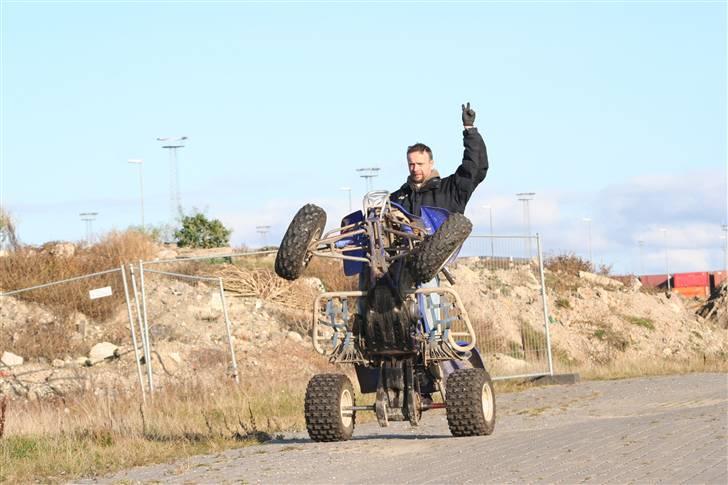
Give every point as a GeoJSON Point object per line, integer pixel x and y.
{"type": "Point", "coordinates": [468, 115]}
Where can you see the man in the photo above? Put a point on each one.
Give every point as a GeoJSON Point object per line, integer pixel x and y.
{"type": "Point", "coordinates": [424, 187]}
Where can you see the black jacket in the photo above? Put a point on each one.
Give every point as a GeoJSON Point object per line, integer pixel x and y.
{"type": "Point", "coordinates": [453, 192]}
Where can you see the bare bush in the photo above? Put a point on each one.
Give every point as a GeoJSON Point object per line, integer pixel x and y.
{"type": "Point", "coordinates": [568, 263]}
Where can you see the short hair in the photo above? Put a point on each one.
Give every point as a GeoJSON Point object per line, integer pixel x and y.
{"type": "Point", "coordinates": [420, 148]}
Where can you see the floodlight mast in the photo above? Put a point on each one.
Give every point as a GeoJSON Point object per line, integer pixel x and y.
{"type": "Point", "coordinates": [89, 217]}
{"type": "Point", "coordinates": [263, 231]}
{"type": "Point", "coordinates": [368, 173]}
{"type": "Point", "coordinates": [172, 143]}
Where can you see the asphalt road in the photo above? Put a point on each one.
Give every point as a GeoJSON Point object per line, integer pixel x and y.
{"type": "Point", "coordinates": [670, 429]}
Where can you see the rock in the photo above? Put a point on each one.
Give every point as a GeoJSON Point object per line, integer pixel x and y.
{"type": "Point", "coordinates": [171, 361]}
{"type": "Point", "coordinates": [82, 362]}
{"type": "Point", "coordinates": [80, 323]}
{"type": "Point", "coordinates": [635, 284]}
{"type": "Point", "coordinates": [101, 351]}
{"type": "Point", "coordinates": [314, 283]}
{"type": "Point", "coordinates": [600, 280]}
{"type": "Point", "coordinates": [215, 304]}
{"type": "Point", "coordinates": [60, 249]}
{"type": "Point", "coordinates": [295, 336]}
{"type": "Point", "coordinates": [58, 363]}
{"type": "Point", "coordinates": [11, 360]}
{"type": "Point", "coordinates": [175, 357]}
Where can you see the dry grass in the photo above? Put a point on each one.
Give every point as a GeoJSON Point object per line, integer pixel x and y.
{"type": "Point", "coordinates": [331, 274]}
{"type": "Point", "coordinates": [53, 336]}
{"type": "Point", "coordinates": [623, 368]}
{"type": "Point", "coordinates": [92, 435]}
{"type": "Point", "coordinates": [29, 267]}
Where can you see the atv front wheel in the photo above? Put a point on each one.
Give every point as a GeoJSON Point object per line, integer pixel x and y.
{"type": "Point", "coordinates": [293, 256]}
{"type": "Point", "coordinates": [470, 403]}
{"type": "Point", "coordinates": [329, 398]}
{"type": "Point", "coordinates": [435, 251]}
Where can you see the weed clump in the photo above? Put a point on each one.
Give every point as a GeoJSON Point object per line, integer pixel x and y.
{"type": "Point", "coordinates": [563, 303]}
{"type": "Point", "coordinates": [641, 322]}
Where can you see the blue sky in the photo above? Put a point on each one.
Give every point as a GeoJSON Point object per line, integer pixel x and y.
{"type": "Point", "coordinates": [610, 110]}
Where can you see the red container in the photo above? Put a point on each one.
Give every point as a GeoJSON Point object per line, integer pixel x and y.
{"type": "Point", "coordinates": [691, 291]}
{"type": "Point", "coordinates": [686, 280]}
{"type": "Point", "coordinates": [718, 278]}
{"type": "Point", "coordinates": [653, 281]}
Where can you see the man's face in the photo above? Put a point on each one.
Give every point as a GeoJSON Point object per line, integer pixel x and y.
{"type": "Point", "coordinates": [420, 166]}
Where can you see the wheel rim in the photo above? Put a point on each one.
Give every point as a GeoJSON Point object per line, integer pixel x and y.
{"type": "Point", "coordinates": [347, 415]}
{"type": "Point", "coordinates": [487, 401]}
{"type": "Point", "coordinates": [316, 235]}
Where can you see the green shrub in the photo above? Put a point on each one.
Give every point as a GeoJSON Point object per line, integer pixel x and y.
{"type": "Point", "coordinates": [200, 232]}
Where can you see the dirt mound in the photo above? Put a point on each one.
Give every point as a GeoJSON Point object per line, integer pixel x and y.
{"type": "Point", "coordinates": [188, 332]}
{"type": "Point", "coordinates": [592, 319]}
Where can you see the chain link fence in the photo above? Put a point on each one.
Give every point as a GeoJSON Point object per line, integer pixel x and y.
{"type": "Point", "coordinates": [50, 322]}
{"type": "Point", "coordinates": [187, 308]}
{"type": "Point", "coordinates": [507, 304]}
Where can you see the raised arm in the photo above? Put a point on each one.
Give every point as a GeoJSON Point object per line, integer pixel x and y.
{"type": "Point", "coordinates": [475, 158]}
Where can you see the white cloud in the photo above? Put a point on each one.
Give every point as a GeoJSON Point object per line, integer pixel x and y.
{"type": "Point", "coordinates": [690, 205]}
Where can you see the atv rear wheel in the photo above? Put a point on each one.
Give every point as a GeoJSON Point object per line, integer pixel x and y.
{"type": "Point", "coordinates": [327, 397]}
{"type": "Point", "coordinates": [293, 256]}
{"type": "Point", "coordinates": [435, 251]}
{"type": "Point", "coordinates": [470, 403]}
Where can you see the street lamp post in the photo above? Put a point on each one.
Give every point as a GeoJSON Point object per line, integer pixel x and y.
{"type": "Point", "coordinates": [526, 198]}
{"type": "Point", "coordinates": [589, 240]}
{"type": "Point", "coordinates": [492, 246]}
{"type": "Point", "coordinates": [667, 260]}
{"type": "Point", "coordinates": [140, 163]}
{"type": "Point", "coordinates": [348, 189]}
{"type": "Point", "coordinates": [641, 244]}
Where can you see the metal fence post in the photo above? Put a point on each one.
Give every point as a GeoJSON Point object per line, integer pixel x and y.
{"type": "Point", "coordinates": [146, 326]}
{"type": "Point", "coordinates": [141, 327]}
{"type": "Point", "coordinates": [229, 332]}
{"type": "Point", "coordinates": [545, 305]}
{"type": "Point", "coordinates": [133, 334]}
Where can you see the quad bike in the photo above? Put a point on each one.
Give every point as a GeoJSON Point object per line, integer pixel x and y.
{"type": "Point", "coordinates": [407, 337]}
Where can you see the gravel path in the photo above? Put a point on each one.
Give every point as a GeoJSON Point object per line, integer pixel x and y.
{"type": "Point", "coordinates": [649, 430]}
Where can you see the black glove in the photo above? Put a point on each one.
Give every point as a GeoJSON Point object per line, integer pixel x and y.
{"type": "Point", "coordinates": [468, 115]}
